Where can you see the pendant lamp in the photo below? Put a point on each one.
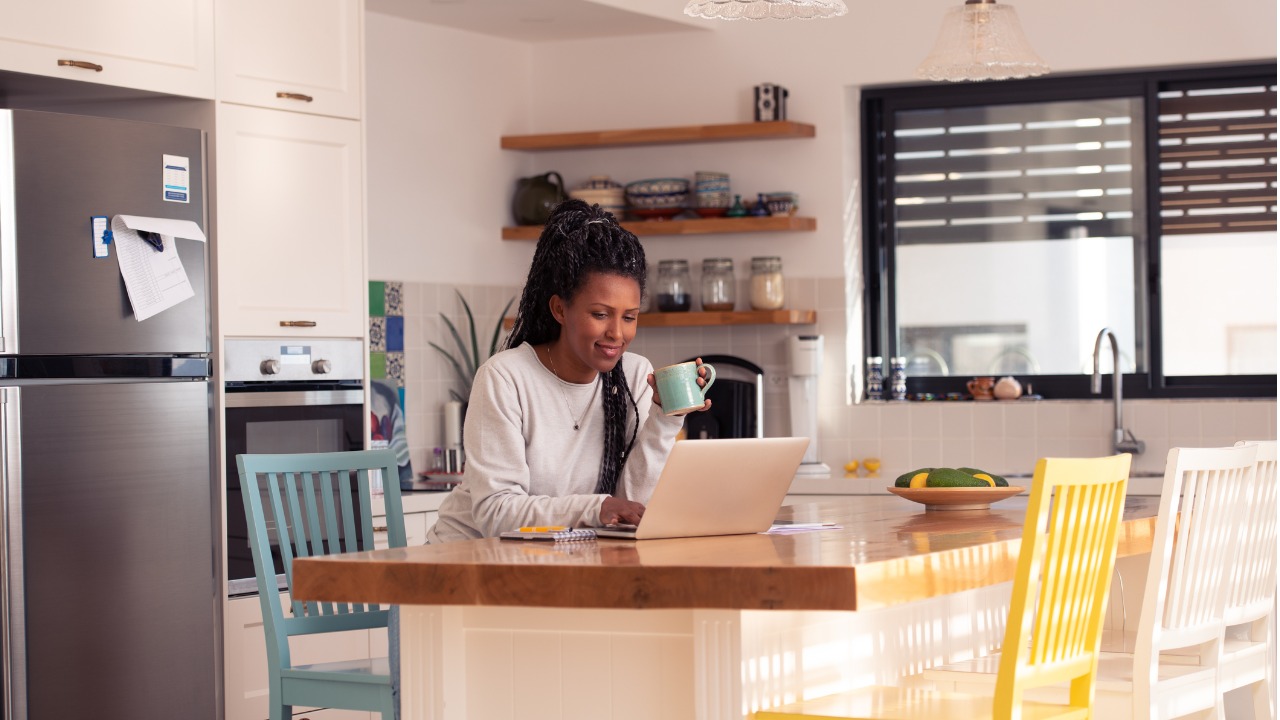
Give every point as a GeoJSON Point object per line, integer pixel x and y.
{"type": "Point", "coordinates": [981, 40]}
{"type": "Point", "coordinates": [765, 9]}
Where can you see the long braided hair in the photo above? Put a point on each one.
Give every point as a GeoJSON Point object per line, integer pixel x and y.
{"type": "Point", "coordinates": [580, 239]}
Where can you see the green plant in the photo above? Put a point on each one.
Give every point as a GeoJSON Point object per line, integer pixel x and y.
{"type": "Point", "coordinates": [468, 359]}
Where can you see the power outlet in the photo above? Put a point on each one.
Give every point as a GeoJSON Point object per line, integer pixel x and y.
{"type": "Point", "coordinates": [775, 383]}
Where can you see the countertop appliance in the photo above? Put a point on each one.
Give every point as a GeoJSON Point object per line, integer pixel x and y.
{"type": "Point", "coordinates": [804, 361]}
{"type": "Point", "coordinates": [110, 603]}
{"type": "Point", "coordinates": [285, 395]}
{"type": "Point", "coordinates": [737, 401]}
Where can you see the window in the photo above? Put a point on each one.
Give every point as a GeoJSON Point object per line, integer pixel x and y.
{"type": "Point", "coordinates": [1008, 223]}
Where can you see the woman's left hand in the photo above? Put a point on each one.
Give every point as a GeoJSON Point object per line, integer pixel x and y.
{"type": "Point", "coordinates": [702, 382]}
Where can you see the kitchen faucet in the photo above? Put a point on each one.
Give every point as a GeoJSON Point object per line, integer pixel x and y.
{"type": "Point", "coordinates": [1123, 440]}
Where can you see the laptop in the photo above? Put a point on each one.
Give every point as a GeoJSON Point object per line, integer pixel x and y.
{"type": "Point", "coordinates": [717, 487]}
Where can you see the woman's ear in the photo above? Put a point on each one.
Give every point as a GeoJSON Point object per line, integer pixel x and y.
{"type": "Point", "coordinates": [556, 305]}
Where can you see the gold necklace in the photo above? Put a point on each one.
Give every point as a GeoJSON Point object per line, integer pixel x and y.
{"type": "Point", "coordinates": [564, 397]}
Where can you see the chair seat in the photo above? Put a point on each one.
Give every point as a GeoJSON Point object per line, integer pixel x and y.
{"type": "Point", "coordinates": [893, 703]}
{"type": "Point", "coordinates": [1115, 674]}
{"type": "Point", "coordinates": [375, 671]}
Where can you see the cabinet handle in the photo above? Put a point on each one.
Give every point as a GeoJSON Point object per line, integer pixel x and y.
{"type": "Point", "coordinates": [80, 64]}
{"type": "Point", "coordinates": [379, 528]}
{"type": "Point", "coordinates": [297, 323]}
{"type": "Point", "coordinates": [294, 96]}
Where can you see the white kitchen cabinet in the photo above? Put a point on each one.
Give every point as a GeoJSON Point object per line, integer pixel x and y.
{"type": "Point", "coordinates": [245, 660]}
{"type": "Point", "coordinates": [299, 55]}
{"type": "Point", "coordinates": [158, 45]}
{"type": "Point", "coordinates": [291, 248]}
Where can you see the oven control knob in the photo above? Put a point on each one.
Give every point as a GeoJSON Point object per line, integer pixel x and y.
{"type": "Point", "coordinates": [270, 366]}
{"type": "Point", "coordinates": [321, 367]}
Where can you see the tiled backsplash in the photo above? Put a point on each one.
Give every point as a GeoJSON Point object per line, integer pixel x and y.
{"type": "Point", "coordinates": [1005, 437]}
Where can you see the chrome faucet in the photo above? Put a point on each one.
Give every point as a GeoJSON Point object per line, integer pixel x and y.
{"type": "Point", "coordinates": [1123, 440]}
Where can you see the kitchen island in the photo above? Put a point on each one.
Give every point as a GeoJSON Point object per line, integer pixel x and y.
{"type": "Point", "coordinates": [699, 627]}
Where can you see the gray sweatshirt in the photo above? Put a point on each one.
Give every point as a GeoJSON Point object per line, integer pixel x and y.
{"type": "Point", "coordinates": [525, 463]}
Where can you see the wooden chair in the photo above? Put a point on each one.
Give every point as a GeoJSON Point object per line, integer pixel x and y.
{"type": "Point", "coordinates": [318, 504]}
{"type": "Point", "coordinates": [1055, 614]}
{"type": "Point", "coordinates": [1249, 651]}
{"type": "Point", "coordinates": [1172, 669]}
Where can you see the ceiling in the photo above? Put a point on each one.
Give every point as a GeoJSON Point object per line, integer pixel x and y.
{"type": "Point", "coordinates": [545, 20]}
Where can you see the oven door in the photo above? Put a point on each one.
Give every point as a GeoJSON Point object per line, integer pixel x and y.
{"type": "Point", "coordinates": [280, 421]}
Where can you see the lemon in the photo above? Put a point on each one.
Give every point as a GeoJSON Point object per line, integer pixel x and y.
{"type": "Point", "coordinates": [851, 466]}
{"type": "Point", "coordinates": [986, 477]}
{"type": "Point", "coordinates": [919, 479]}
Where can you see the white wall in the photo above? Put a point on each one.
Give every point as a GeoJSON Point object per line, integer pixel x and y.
{"type": "Point", "coordinates": [437, 100]}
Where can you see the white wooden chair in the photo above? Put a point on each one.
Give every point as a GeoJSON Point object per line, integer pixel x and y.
{"type": "Point", "coordinates": [1248, 651]}
{"type": "Point", "coordinates": [1182, 610]}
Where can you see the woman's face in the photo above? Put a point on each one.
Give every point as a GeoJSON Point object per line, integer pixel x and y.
{"type": "Point", "coordinates": [597, 327]}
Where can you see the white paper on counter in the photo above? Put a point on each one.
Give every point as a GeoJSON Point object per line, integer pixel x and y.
{"type": "Point", "coordinates": [156, 280]}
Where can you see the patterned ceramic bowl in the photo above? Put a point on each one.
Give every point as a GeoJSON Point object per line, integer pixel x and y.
{"type": "Point", "coordinates": [657, 186]}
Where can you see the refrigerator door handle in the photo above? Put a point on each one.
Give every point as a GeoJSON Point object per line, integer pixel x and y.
{"type": "Point", "coordinates": [12, 607]}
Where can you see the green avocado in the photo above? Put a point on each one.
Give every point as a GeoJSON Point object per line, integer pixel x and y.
{"type": "Point", "coordinates": [904, 480]}
{"type": "Point", "coordinates": [950, 477]}
{"type": "Point", "coordinates": [999, 481]}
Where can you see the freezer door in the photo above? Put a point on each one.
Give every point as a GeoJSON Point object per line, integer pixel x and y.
{"type": "Point", "coordinates": [64, 170]}
{"type": "Point", "coordinates": [118, 555]}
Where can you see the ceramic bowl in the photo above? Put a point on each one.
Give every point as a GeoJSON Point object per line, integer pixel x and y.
{"type": "Point", "coordinates": [794, 198]}
{"type": "Point", "coordinates": [657, 186]}
{"type": "Point", "coordinates": [780, 207]}
{"type": "Point", "coordinates": [956, 498]}
{"type": "Point", "coordinates": [674, 200]}
{"type": "Point", "coordinates": [713, 199]}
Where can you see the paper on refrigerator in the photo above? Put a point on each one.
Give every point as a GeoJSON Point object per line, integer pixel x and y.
{"type": "Point", "coordinates": [155, 280]}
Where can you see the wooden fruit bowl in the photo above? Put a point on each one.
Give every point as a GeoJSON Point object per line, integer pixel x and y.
{"type": "Point", "coordinates": [957, 498]}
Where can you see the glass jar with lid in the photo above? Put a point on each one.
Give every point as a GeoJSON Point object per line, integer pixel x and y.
{"type": "Point", "coordinates": [674, 290]}
{"type": "Point", "coordinates": [766, 283]}
{"type": "Point", "coordinates": [717, 284]}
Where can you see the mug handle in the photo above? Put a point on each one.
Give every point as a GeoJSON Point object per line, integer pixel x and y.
{"type": "Point", "coordinates": [711, 378]}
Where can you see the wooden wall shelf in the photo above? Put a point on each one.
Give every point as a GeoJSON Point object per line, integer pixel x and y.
{"type": "Point", "coordinates": [781, 129]}
{"type": "Point", "coordinates": [701, 226]}
{"type": "Point", "coordinates": [708, 319]}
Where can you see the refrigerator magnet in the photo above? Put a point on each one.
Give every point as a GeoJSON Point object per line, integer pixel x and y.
{"type": "Point", "coordinates": [101, 236]}
{"type": "Point", "coordinates": [177, 179]}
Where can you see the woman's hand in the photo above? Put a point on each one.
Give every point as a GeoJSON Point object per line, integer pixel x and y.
{"type": "Point", "coordinates": [616, 511]}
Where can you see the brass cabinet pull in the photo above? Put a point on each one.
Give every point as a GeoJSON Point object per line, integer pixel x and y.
{"type": "Point", "coordinates": [80, 64]}
{"type": "Point", "coordinates": [379, 528]}
{"type": "Point", "coordinates": [297, 323]}
{"type": "Point", "coordinates": [294, 96]}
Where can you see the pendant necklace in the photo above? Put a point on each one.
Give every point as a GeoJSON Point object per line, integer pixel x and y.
{"type": "Point", "coordinates": [564, 397]}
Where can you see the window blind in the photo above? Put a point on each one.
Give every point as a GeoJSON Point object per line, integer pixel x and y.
{"type": "Point", "coordinates": [1217, 158]}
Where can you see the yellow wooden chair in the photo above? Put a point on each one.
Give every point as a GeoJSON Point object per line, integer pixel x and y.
{"type": "Point", "coordinates": [1055, 614]}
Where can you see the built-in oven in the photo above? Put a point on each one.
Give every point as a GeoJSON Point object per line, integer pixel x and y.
{"type": "Point", "coordinates": [285, 396]}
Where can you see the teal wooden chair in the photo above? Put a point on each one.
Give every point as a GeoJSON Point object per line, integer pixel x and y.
{"type": "Point", "coordinates": [304, 505]}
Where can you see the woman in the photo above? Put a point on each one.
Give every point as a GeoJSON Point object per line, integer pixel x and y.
{"type": "Point", "coordinates": [565, 427]}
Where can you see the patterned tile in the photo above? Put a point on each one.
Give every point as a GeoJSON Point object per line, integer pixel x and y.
{"type": "Point", "coordinates": [378, 334]}
{"type": "Point", "coordinates": [377, 298]}
{"type": "Point", "coordinates": [395, 367]}
{"type": "Point", "coordinates": [394, 298]}
{"type": "Point", "coordinates": [393, 333]}
{"type": "Point", "coordinates": [378, 365]}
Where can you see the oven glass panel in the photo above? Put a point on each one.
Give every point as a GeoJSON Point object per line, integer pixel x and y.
{"type": "Point", "coordinates": [277, 429]}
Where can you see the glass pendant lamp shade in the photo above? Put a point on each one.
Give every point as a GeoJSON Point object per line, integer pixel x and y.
{"type": "Point", "coordinates": [981, 40]}
{"type": "Point", "coordinates": [765, 9]}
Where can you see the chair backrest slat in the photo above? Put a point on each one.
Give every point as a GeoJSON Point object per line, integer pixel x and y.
{"type": "Point", "coordinates": [1253, 575]}
{"type": "Point", "coordinates": [1060, 586]}
{"type": "Point", "coordinates": [298, 492]}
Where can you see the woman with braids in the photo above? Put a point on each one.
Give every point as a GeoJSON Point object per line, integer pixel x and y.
{"type": "Point", "coordinates": [564, 427]}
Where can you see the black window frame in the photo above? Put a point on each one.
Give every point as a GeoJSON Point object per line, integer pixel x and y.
{"type": "Point", "coordinates": [882, 101]}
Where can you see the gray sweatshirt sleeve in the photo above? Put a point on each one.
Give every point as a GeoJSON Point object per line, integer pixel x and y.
{"type": "Point", "coordinates": [653, 441]}
{"type": "Point", "coordinates": [497, 471]}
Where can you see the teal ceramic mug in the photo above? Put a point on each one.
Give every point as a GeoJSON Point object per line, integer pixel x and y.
{"type": "Point", "coordinates": [678, 387]}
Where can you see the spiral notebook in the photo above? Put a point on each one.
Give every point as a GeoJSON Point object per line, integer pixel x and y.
{"type": "Point", "coordinates": [565, 535]}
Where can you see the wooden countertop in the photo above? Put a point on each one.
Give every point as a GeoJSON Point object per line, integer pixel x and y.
{"type": "Point", "coordinates": [888, 551]}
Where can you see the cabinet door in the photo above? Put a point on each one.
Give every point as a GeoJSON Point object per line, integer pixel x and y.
{"type": "Point", "coordinates": [291, 251]}
{"type": "Point", "coordinates": [301, 55]}
{"type": "Point", "coordinates": [245, 659]}
{"type": "Point", "coordinates": [159, 45]}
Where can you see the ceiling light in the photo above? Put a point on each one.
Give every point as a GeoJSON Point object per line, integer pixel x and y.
{"type": "Point", "coordinates": [765, 9]}
{"type": "Point", "coordinates": [981, 40]}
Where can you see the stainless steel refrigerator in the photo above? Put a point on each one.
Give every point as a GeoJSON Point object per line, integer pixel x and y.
{"type": "Point", "coordinates": [110, 603]}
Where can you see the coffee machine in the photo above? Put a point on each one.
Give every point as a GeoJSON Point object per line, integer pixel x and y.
{"type": "Point", "coordinates": [804, 361]}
